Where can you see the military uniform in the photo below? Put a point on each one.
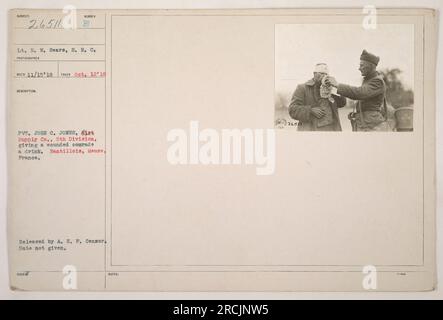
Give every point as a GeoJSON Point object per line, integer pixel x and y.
{"type": "Point", "coordinates": [370, 105]}
{"type": "Point", "coordinates": [371, 99]}
{"type": "Point", "coordinates": [307, 96]}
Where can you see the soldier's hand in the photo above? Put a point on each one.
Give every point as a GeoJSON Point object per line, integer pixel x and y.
{"type": "Point", "coordinates": [317, 112]}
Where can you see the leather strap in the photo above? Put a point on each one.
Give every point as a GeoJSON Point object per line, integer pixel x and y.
{"type": "Point", "coordinates": [385, 107]}
{"type": "Point", "coordinates": [361, 113]}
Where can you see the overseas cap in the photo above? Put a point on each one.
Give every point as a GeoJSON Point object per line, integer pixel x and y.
{"type": "Point", "coordinates": [366, 56]}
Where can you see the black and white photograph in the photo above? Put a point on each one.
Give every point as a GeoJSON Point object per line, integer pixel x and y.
{"type": "Point", "coordinates": [344, 77]}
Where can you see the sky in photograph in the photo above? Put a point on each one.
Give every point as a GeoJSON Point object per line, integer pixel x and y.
{"type": "Point", "coordinates": [300, 46]}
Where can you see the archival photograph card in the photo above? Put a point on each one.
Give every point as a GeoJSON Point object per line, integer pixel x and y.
{"type": "Point", "coordinates": [222, 150]}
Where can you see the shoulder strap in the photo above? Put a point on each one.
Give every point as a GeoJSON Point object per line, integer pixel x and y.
{"type": "Point", "coordinates": [385, 108]}
{"type": "Point", "coordinates": [360, 112]}
{"type": "Point", "coordinates": [385, 105]}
